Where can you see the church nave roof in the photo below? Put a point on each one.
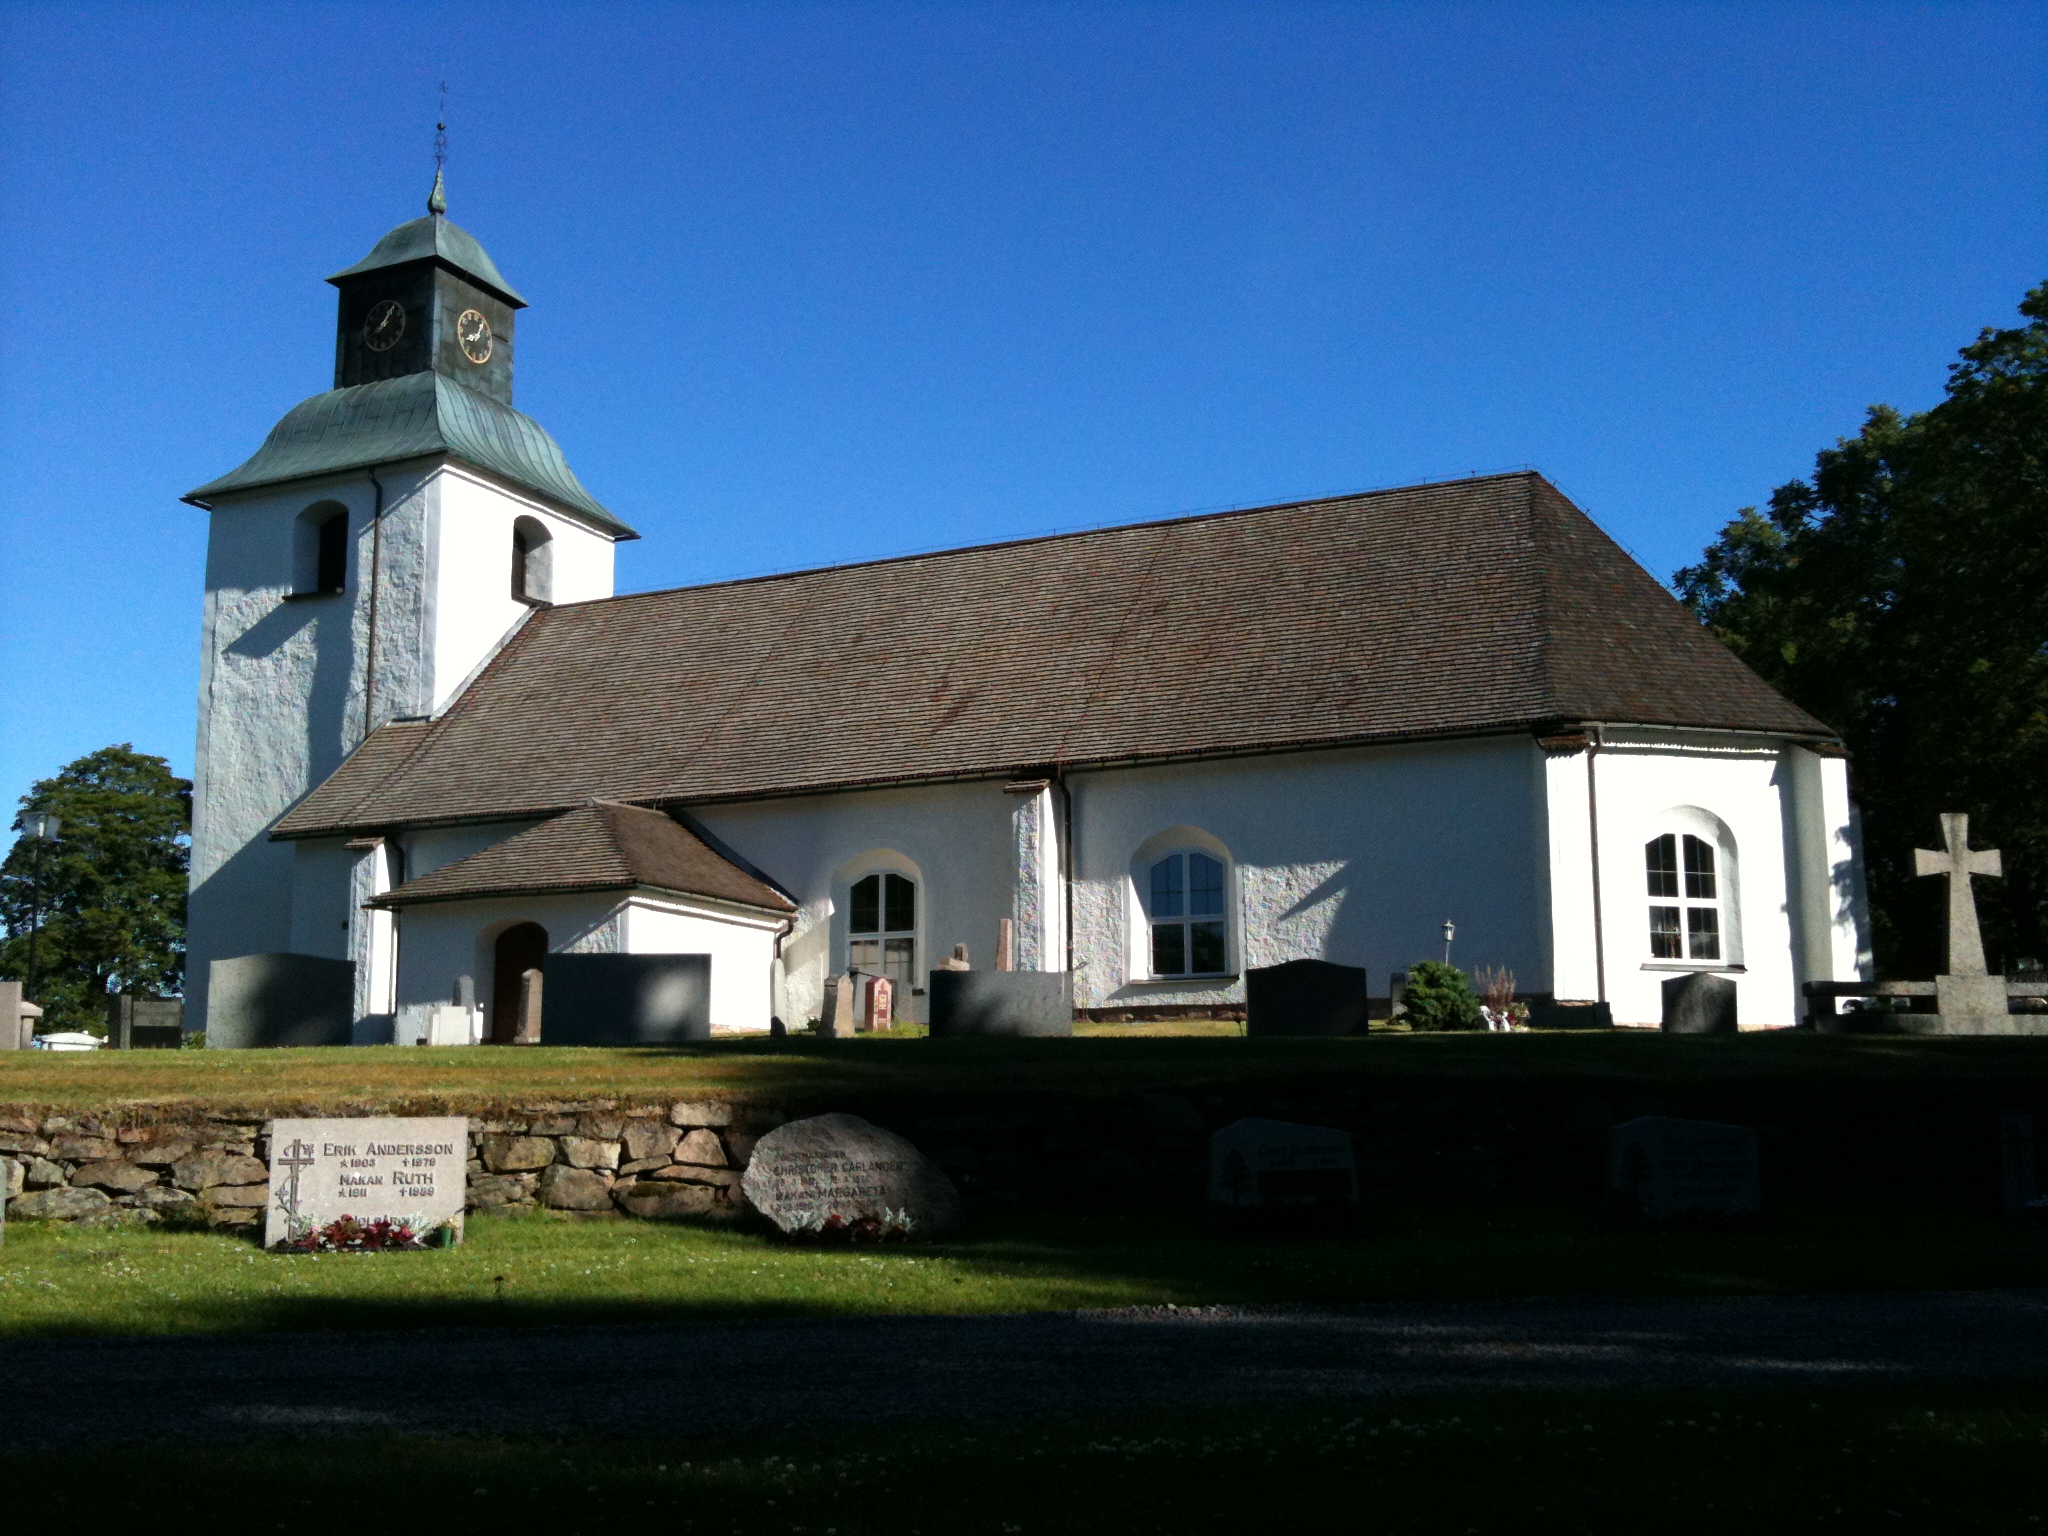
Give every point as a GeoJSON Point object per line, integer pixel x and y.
{"type": "Point", "coordinates": [1472, 607]}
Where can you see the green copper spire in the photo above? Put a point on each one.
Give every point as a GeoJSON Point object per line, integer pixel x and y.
{"type": "Point", "coordinates": [437, 200]}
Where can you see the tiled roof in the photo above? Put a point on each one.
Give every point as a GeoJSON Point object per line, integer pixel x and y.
{"type": "Point", "coordinates": [1482, 605]}
{"type": "Point", "coordinates": [410, 417]}
{"type": "Point", "coordinates": [597, 847]}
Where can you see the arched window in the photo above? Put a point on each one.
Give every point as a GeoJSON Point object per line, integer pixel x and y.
{"type": "Point", "coordinates": [320, 550]}
{"type": "Point", "coordinates": [1687, 887]}
{"type": "Point", "coordinates": [532, 562]}
{"type": "Point", "coordinates": [1184, 903]}
{"type": "Point", "coordinates": [881, 927]}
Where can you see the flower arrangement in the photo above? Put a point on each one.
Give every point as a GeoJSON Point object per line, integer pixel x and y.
{"type": "Point", "coordinates": [1497, 989]}
{"type": "Point", "coordinates": [835, 1230]}
{"type": "Point", "coordinates": [347, 1235]}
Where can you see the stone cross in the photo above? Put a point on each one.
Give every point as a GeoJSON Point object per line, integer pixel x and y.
{"type": "Point", "coordinates": [1959, 862]}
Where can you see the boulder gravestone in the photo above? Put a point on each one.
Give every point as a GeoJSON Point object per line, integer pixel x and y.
{"type": "Point", "coordinates": [1277, 1173]}
{"type": "Point", "coordinates": [1661, 1169]}
{"type": "Point", "coordinates": [834, 1174]}
{"type": "Point", "coordinates": [413, 1171]}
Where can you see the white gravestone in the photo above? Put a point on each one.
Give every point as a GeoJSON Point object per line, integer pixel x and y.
{"type": "Point", "coordinates": [1277, 1167]}
{"type": "Point", "coordinates": [406, 1170]}
{"type": "Point", "coordinates": [832, 1173]}
{"type": "Point", "coordinates": [1660, 1168]}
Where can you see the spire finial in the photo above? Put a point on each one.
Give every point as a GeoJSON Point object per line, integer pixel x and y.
{"type": "Point", "coordinates": [437, 200]}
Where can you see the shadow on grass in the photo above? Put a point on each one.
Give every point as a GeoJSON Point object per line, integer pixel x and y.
{"type": "Point", "coordinates": [1923, 1459]}
{"type": "Point", "coordinates": [542, 1271]}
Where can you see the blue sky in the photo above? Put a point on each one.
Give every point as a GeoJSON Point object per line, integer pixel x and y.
{"type": "Point", "coordinates": [817, 283]}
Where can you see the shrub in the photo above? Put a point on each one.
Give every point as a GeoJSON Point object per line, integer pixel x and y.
{"type": "Point", "coordinates": [1440, 996]}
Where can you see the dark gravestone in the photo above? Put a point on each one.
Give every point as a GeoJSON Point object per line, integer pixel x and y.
{"type": "Point", "coordinates": [2019, 1159]}
{"type": "Point", "coordinates": [1031, 1003]}
{"type": "Point", "coordinates": [144, 1023]}
{"type": "Point", "coordinates": [839, 1176]}
{"type": "Point", "coordinates": [625, 999]}
{"type": "Point", "coordinates": [1274, 1175]}
{"type": "Point", "coordinates": [279, 999]}
{"type": "Point", "coordinates": [1305, 997]}
{"type": "Point", "coordinates": [1662, 1169]}
{"type": "Point", "coordinates": [1699, 1004]}
{"type": "Point", "coordinates": [1571, 1016]}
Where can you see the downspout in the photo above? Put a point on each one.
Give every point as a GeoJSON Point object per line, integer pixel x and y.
{"type": "Point", "coordinates": [376, 570]}
{"type": "Point", "coordinates": [1067, 863]}
{"type": "Point", "coordinates": [1593, 836]}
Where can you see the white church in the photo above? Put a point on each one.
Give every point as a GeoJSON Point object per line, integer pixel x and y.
{"type": "Point", "coordinates": [435, 749]}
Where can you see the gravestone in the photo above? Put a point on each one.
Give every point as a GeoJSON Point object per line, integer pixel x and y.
{"type": "Point", "coordinates": [1014, 1003]}
{"type": "Point", "coordinates": [878, 1011]}
{"type": "Point", "coordinates": [17, 1026]}
{"type": "Point", "coordinates": [1969, 1000]}
{"type": "Point", "coordinates": [1699, 1004]}
{"type": "Point", "coordinates": [144, 1023]}
{"type": "Point", "coordinates": [627, 999]}
{"type": "Point", "coordinates": [1275, 1174]}
{"type": "Point", "coordinates": [837, 1174]}
{"type": "Point", "coordinates": [957, 961]}
{"type": "Point", "coordinates": [1661, 1169]}
{"type": "Point", "coordinates": [1305, 997]}
{"type": "Point", "coordinates": [835, 1022]}
{"type": "Point", "coordinates": [532, 993]}
{"type": "Point", "coordinates": [2019, 1160]}
{"type": "Point", "coordinates": [408, 1170]}
{"type": "Point", "coordinates": [1571, 1015]}
{"type": "Point", "coordinates": [256, 1001]}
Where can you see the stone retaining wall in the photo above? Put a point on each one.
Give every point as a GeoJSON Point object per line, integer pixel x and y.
{"type": "Point", "coordinates": [663, 1160]}
{"type": "Point", "coordinates": [1428, 1140]}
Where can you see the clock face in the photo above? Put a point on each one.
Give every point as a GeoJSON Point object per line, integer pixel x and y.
{"type": "Point", "coordinates": [474, 332]}
{"type": "Point", "coordinates": [385, 325]}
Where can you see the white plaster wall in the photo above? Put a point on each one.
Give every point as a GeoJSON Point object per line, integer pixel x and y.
{"type": "Point", "coordinates": [281, 696]}
{"type": "Point", "coordinates": [1355, 856]}
{"type": "Point", "coordinates": [741, 947]}
{"type": "Point", "coordinates": [1746, 786]}
{"type": "Point", "coordinates": [322, 911]}
{"type": "Point", "coordinates": [472, 607]}
{"type": "Point", "coordinates": [958, 839]}
{"type": "Point", "coordinates": [1575, 966]}
{"type": "Point", "coordinates": [1040, 911]}
{"type": "Point", "coordinates": [430, 848]}
{"type": "Point", "coordinates": [439, 943]}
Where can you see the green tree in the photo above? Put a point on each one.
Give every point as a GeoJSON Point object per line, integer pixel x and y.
{"type": "Point", "coordinates": [1440, 996]}
{"type": "Point", "coordinates": [113, 886]}
{"type": "Point", "coordinates": [1901, 594]}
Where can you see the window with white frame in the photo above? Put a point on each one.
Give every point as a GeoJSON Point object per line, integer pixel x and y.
{"type": "Point", "coordinates": [881, 927]}
{"type": "Point", "coordinates": [1686, 887]}
{"type": "Point", "coordinates": [1184, 904]}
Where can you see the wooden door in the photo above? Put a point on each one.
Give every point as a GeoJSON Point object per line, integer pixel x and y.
{"type": "Point", "coordinates": [519, 949]}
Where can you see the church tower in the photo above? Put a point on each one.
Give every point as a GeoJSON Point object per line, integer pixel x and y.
{"type": "Point", "coordinates": [385, 540]}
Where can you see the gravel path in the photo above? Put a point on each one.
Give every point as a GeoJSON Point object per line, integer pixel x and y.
{"type": "Point", "coordinates": [731, 1375]}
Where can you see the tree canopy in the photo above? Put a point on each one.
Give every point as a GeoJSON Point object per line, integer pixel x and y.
{"type": "Point", "coordinates": [1901, 594]}
{"type": "Point", "coordinates": [113, 886]}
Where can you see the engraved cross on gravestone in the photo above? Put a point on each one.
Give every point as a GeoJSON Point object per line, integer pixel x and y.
{"type": "Point", "coordinates": [297, 1158]}
{"type": "Point", "coordinates": [1969, 1000]}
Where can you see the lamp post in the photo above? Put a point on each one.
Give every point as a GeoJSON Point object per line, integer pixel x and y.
{"type": "Point", "coordinates": [1450, 933]}
{"type": "Point", "coordinates": [39, 827]}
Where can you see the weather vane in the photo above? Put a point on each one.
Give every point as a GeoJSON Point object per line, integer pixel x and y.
{"type": "Point", "coordinates": [437, 200]}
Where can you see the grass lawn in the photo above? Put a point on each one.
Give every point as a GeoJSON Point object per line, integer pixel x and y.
{"type": "Point", "coordinates": [1108, 1059]}
{"type": "Point", "coordinates": [536, 1270]}
{"type": "Point", "coordinates": [1921, 1460]}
